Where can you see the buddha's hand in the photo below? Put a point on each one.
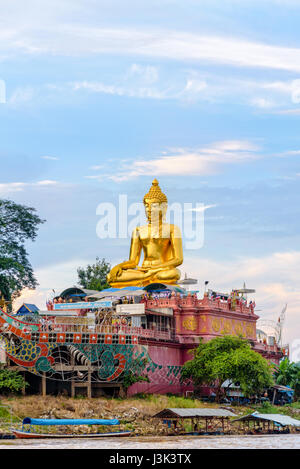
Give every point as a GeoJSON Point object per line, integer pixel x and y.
{"type": "Point", "coordinates": [151, 270]}
{"type": "Point", "coordinates": [113, 274]}
{"type": "Point", "coordinates": [118, 269]}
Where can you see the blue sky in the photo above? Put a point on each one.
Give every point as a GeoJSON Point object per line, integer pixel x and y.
{"type": "Point", "coordinates": [102, 96]}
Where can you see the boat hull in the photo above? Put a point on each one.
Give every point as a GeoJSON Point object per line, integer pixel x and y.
{"type": "Point", "coordinates": [32, 435]}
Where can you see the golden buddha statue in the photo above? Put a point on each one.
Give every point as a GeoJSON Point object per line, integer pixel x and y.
{"type": "Point", "coordinates": [3, 303]}
{"type": "Point", "coordinates": [161, 243]}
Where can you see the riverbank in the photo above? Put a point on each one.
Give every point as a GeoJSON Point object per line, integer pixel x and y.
{"type": "Point", "coordinates": [174, 444]}
{"type": "Point", "coordinates": [135, 413]}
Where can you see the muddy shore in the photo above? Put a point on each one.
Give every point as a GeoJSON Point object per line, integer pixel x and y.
{"type": "Point", "coordinates": [135, 414]}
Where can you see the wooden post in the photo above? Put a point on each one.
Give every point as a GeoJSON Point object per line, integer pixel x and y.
{"type": "Point", "coordinates": [89, 385]}
{"type": "Point", "coordinates": [72, 388]}
{"type": "Point", "coordinates": [72, 380]}
{"type": "Point", "coordinates": [44, 385]}
{"type": "Point", "coordinates": [274, 394]}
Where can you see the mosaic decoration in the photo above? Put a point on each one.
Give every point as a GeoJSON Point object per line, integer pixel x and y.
{"type": "Point", "coordinates": [233, 327]}
{"type": "Point", "coordinates": [189, 323]}
{"type": "Point", "coordinates": [106, 357]}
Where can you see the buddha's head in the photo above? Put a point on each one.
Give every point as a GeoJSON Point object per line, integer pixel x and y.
{"type": "Point", "coordinates": [156, 203]}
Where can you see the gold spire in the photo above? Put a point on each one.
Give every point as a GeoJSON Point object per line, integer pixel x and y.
{"type": "Point", "coordinates": [155, 193]}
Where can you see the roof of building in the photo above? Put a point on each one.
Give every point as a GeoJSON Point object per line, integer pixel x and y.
{"type": "Point", "coordinates": [194, 412]}
{"type": "Point", "coordinates": [281, 419]}
{"type": "Point", "coordinates": [76, 291]}
{"type": "Point", "coordinates": [229, 384]}
{"type": "Point", "coordinates": [279, 387]}
{"type": "Point", "coordinates": [118, 292]}
{"type": "Point", "coordinates": [27, 308]}
{"type": "Point", "coordinates": [156, 287]}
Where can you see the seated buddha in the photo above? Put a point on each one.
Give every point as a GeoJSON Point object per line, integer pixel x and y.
{"type": "Point", "coordinates": [160, 242]}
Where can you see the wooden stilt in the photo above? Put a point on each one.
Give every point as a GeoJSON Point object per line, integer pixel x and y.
{"type": "Point", "coordinates": [72, 388]}
{"type": "Point", "coordinates": [72, 381]}
{"type": "Point", "coordinates": [89, 387]}
{"type": "Point", "coordinates": [44, 385]}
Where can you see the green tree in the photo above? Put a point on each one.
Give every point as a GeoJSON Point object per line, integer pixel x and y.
{"type": "Point", "coordinates": [18, 224]}
{"type": "Point", "coordinates": [93, 277]}
{"type": "Point", "coordinates": [130, 378]}
{"type": "Point", "coordinates": [11, 381]}
{"type": "Point", "coordinates": [228, 358]}
{"type": "Point", "coordinates": [288, 374]}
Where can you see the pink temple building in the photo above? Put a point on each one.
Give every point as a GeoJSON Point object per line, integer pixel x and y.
{"type": "Point", "coordinates": [169, 341]}
{"type": "Point", "coordinates": [94, 338]}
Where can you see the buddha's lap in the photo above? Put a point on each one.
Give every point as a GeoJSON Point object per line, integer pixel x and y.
{"type": "Point", "coordinates": [132, 274]}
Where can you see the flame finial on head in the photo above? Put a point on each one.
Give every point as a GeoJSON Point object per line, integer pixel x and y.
{"type": "Point", "coordinates": [155, 193]}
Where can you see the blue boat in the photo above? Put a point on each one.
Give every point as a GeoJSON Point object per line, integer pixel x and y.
{"type": "Point", "coordinates": [28, 432]}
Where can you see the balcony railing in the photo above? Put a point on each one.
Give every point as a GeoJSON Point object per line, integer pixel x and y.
{"type": "Point", "coordinates": [152, 333]}
{"type": "Point", "coordinates": [195, 302]}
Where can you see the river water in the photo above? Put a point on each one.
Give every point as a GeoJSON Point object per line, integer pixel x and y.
{"type": "Point", "coordinates": [288, 441]}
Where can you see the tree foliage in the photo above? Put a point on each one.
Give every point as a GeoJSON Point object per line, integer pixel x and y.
{"type": "Point", "coordinates": [11, 381]}
{"type": "Point", "coordinates": [130, 378]}
{"type": "Point", "coordinates": [93, 277]}
{"type": "Point", "coordinates": [228, 358]}
{"type": "Point", "coordinates": [288, 374]}
{"type": "Point", "coordinates": [18, 224]}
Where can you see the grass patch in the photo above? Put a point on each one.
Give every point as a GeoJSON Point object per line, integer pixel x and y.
{"type": "Point", "coordinates": [296, 405]}
{"type": "Point", "coordinates": [178, 401]}
{"type": "Point", "coordinates": [268, 408]}
{"type": "Point", "coordinates": [166, 401]}
{"type": "Point", "coordinates": [5, 413]}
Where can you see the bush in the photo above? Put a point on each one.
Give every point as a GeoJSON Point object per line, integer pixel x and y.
{"type": "Point", "coordinates": [11, 381]}
{"type": "Point", "coordinates": [296, 405]}
{"type": "Point", "coordinates": [129, 378]}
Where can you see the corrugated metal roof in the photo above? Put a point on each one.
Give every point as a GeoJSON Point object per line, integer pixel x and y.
{"type": "Point", "coordinates": [118, 294]}
{"type": "Point", "coordinates": [194, 412]}
{"type": "Point", "coordinates": [277, 418]}
{"type": "Point", "coordinates": [68, 291]}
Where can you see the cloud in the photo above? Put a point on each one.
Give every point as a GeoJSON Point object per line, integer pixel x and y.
{"type": "Point", "coordinates": [291, 88]}
{"type": "Point", "coordinates": [203, 208]}
{"type": "Point", "coordinates": [96, 167]}
{"type": "Point", "coordinates": [188, 162]}
{"type": "Point", "coordinates": [185, 47]}
{"type": "Point", "coordinates": [53, 31]}
{"type": "Point", "coordinates": [132, 91]}
{"type": "Point", "coordinates": [288, 112]}
{"type": "Point", "coordinates": [51, 277]}
{"type": "Point", "coordinates": [9, 187]}
{"type": "Point", "coordinates": [262, 103]}
{"type": "Point", "coordinates": [46, 182]}
{"type": "Point", "coordinates": [274, 277]}
{"type": "Point", "coordinates": [21, 95]}
{"type": "Point", "coordinates": [186, 86]}
{"type": "Point", "coordinates": [148, 74]}
{"type": "Point", "coordinates": [54, 158]}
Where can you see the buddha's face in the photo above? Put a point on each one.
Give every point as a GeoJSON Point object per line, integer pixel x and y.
{"type": "Point", "coordinates": [155, 210]}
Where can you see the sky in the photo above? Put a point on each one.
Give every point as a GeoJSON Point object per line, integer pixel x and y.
{"type": "Point", "coordinates": [99, 97]}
